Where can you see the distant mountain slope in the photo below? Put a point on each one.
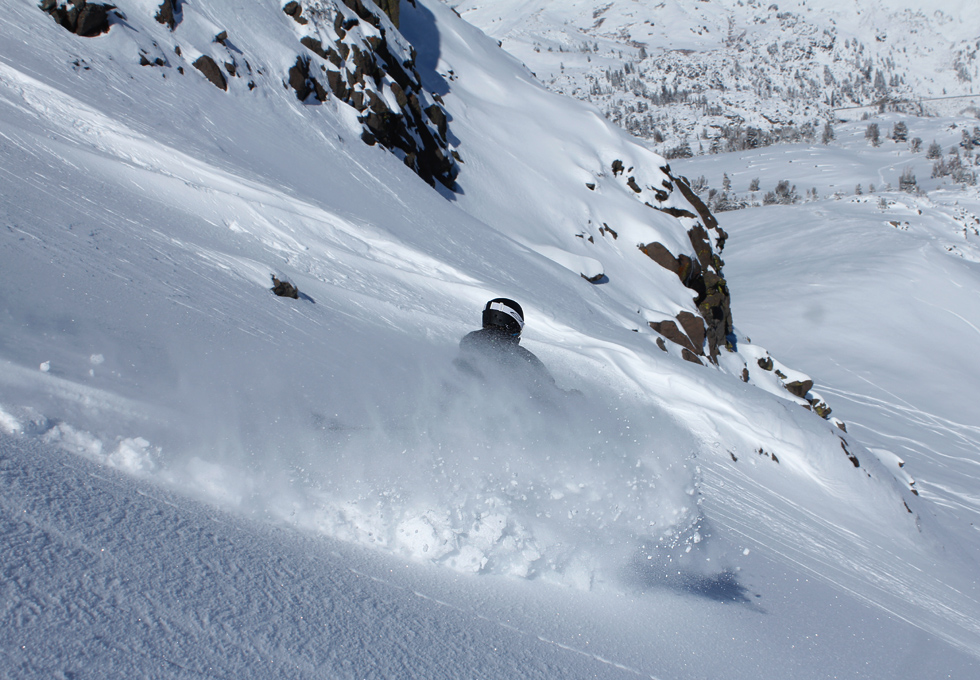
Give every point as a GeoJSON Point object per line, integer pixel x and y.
{"type": "Point", "coordinates": [721, 74]}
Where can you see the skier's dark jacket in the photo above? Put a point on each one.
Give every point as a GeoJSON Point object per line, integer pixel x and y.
{"type": "Point", "coordinates": [493, 354]}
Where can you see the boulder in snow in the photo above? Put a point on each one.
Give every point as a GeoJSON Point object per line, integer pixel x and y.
{"type": "Point", "coordinates": [207, 66]}
{"type": "Point", "coordinates": [84, 18]}
{"type": "Point", "coordinates": [284, 288]}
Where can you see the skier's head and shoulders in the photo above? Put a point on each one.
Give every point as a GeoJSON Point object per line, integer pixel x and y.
{"type": "Point", "coordinates": [499, 339]}
{"type": "Point", "coordinates": [503, 323]}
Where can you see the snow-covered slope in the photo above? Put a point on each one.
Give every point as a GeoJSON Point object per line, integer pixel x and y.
{"type": "Point", "coordinates": [722, 74]}
{"type": "Point", "coordinates": [144, 214]}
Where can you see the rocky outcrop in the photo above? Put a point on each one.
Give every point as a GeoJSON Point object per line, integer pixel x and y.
{"type": "Point", "coordinates": [211, 71]}
{"type": "Point", "coordinates": [669, 330]}
{"type": "Point", "coordinates": [348, 49]}
{"type": "Point", "coordinates": [170, 13]}
{"type": "Point", "coordinates": [284, 288]}
{"type": "Point", "coordinates": [81, 18]}
{"type": "Point", "coordinates": [682, 265]}
{"type": "Point", "coordinates": [703, 272]}
{"type": "Point", "coordinates": [352, 53]}
{"type": "Point", "coordinates": [799, 388]}
{"type": "Point", "coordinates": [392, 9]}
{"type": "Point", "coordinates": [700, 270]}
{"type": "Point", "coordinates": [295, 10]}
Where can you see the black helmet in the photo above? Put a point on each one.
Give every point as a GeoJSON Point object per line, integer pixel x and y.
{"type": "Point", "coordinates": [504, 314]}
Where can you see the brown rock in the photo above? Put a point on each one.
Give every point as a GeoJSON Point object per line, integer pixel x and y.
{"type": "Point", "coordinates": [315, 46]}
{"type": "Point", "coordinates": [295, 10]}
{"type": "Point", "coordinates": [284, 288]}
{"type": "Point", "coordinates": [675, 212]}
{"type": "Point", "coordinates": [211, 71]}
{"type": "Point", "coordinates": [169, 13]}
{"type": "Point", "coordinates": [799, 388]}
{"type": "Point", "coordinates": [669, 330]}
{"type": "Point", "coordinates": [93, 20]}
{"type": "Point", "coordinates": [438, 117]}
{"type": "Point", "coordinates": [85, 19]}
{"type": "Point", "coordinates": [690, 356]}
{"type": "Point", "coordinates": [658, 253]}
{"type": "Point", "coordinates": [391, 8]}
{"type": "Point", "coordinates": [694, 327]}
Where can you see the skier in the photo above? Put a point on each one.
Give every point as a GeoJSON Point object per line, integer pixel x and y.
{"type": "Point", "coordinates": [494, 353]}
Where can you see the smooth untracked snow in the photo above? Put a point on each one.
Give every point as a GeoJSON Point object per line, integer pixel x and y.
{"type": "Point", "coordinates": [650, 517]}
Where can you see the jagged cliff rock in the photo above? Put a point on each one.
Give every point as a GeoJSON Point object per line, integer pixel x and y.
{"type": "Point", "coordinates": [170, 13]}
{"type": "Point", "coordinates": [700, 269]}
{"type": "Point", "coordinates": [354, 52]}
{"type": "Point", "coordinates": [348, 49]}
{"type": "Point", "coordinates": [80, 17]}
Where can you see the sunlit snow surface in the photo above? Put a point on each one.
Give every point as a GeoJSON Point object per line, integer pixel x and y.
{"type": "Point", "coordinates": [702, 526]}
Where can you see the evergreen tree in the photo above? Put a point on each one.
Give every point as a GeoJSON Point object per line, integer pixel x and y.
{"type": "Point", "coordinates": [828, 133]}
{"type": "Point", "coordinates": [872, 133]}
{"type": "Point", "coordinates": [907, 181]}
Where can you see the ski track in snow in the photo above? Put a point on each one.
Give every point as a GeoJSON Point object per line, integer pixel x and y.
{"type": "Point", "coordinates": [828, 551]}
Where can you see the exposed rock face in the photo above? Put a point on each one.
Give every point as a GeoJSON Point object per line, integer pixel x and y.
{"type": "Point", "coordinates": [392, 9]}
{"type": "Point", "coordinates": [211, 71]}
{"type": "Point", "coordinates": [170, 13]}
{"type": "Point", "coordinates": [702, 272]}
{"type": "Point", "coordinates": [353, 55]}
{"type": "Point", "coordinates": [350, 49]}
{"type": "Point", "coordinates": [83, 18]}
{"type": "Point", "coordinates": [694, 327]}
{"type": "Point", "coordinates": [713, 299]}
{"type": "Point", "coordinates": [799, 387]}
{"type": "Point", "coordinates": [284, 288]}
{"type": "Point", "coordinates": [682, 265]}
{"type": "Point", "coordinates": [669, 330]}
{"type": "Point", "coordinates": [295, 10]}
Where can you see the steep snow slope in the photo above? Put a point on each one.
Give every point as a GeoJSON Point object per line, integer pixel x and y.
{"type": "Point", "coordinates": [144, 213]}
